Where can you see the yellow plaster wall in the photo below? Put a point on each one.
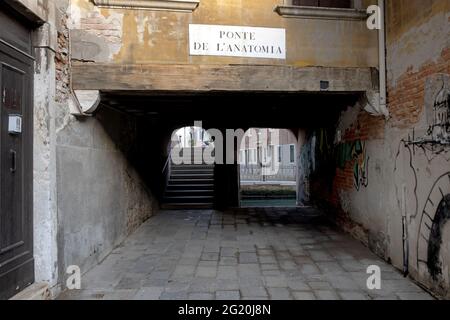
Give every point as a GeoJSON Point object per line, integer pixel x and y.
{"type": "Point", "coordinates": [162, 36]}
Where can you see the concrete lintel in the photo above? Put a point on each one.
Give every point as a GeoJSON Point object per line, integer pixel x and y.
{"type": "Point", "coordinates": [201, 78]}
{"type": "Point", "coordinates": [45, 37]}
{"type": "Point", "coordinates": [307, 12]}
{"type": "Point", "coordinates": [168, 5]}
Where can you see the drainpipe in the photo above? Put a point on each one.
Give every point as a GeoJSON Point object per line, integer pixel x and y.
{"type": "Point", "coordinates": [375, 102]}
{"type": "Point", "coordinates": [382, 59]}
{"type": "Point", "coordinates": [405, 239]}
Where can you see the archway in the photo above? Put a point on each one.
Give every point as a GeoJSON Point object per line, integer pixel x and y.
{"type": "Point", "coordinates": [189, 169]}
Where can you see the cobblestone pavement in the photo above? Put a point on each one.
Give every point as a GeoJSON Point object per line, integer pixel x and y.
{"type": "Point", "coordinates": [244, 254]}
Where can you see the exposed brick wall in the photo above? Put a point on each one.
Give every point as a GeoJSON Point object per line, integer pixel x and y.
{"type": "Point", "coordinates": [365, 128]}
{"type": "Point", "coordinates": [406, 98]}
{"type": "Point", "coordinates": [62, 61]}
{"type": "Point", "coordinates": [343, 181]}
{"type": "Point", "coordinates": [406, 103]}
{"type": "Point", "coordinates": [107, 28]}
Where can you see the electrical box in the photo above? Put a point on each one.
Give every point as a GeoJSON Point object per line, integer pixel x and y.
{"type": "Point", "coordinates": [15, 124]}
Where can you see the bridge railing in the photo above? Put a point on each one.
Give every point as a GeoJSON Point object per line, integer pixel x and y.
{"type": "Point", "coordinates": [254, 173]}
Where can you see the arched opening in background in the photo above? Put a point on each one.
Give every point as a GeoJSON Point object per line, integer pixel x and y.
{"type": "Point", "coordinates": [189, 170]}
{"type": "Point", "coordinates": [268, 168]}
{"type": "Point", "coordinates": [191, 145]}
{"type": "Point", "coordinates": [191, 137]}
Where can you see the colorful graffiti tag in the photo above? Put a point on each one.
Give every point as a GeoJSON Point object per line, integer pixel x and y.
{"type": "Point", "coordinates": [355, 151]}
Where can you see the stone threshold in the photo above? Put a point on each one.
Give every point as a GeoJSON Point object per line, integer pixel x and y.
{"type": "Point", "coordinates": [37, 291]}
{"type": "Point", "coordinates": [307, 12]}
{"type": "Point", "coordinates": [168, 5]}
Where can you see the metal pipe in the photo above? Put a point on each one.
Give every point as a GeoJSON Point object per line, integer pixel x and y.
{"type": "Point", "coordinates": [405, 239]}
{"type": "Point", "coordinates": [382, 58]}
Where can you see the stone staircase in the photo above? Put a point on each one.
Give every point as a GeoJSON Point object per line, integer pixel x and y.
{"type": "Point", "coordinates": [189, 186]}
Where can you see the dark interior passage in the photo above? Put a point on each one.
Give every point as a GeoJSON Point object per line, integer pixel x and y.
{"type": "Point", "coordinates": [158, 115]}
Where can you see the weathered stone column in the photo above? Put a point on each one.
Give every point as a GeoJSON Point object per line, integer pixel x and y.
{"type": "Point", "coordinates": [44, 144]}
{"type": "Point", "coordinates": [303, 159]}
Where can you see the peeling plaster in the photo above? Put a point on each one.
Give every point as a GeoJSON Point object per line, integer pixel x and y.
{"type": "Point", "coordinates": [415, 47]}
{"type": "Point", "coordinates": [95, 36]}
{"type": "Point", "coordinates": [142, 23]}
{"type": "Point", "coordinates": [165, 38]}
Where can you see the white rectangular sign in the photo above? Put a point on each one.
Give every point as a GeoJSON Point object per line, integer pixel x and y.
{"type": "Point", "coordinates": [236, 41]}
{"type": "Point", "coordinates": [15, 124]}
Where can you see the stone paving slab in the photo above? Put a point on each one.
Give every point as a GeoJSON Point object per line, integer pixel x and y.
{"type": "Point", "coordinates": [248, 254]}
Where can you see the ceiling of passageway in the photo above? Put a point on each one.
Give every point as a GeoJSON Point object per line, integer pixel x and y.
{"type": "Point", "coordinates": [220, 109]}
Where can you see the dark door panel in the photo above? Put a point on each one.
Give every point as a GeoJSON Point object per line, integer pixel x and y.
{"type": "Point", "coordinates": [13, 30]}
{"type": "Point", "coordinates": [16, 237]}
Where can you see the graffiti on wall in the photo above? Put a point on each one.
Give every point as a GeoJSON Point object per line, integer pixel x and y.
{"type": "Point", "coordinates": [355, 151]}
{"type": "Point", "coordinates": [431, 249]}
{"type": "Point", "coordinates": [361, 170]}
{"type": "Point", "coordinates": [439, 121]}
{"type": "Point", "coordinates": [435, 239]}
{"type": "Point", "coordinates": [437, 108]}
{"type": "Point", "coordinates": [427, 155]}
{"type": "Point", "coordinates": [434, 143]}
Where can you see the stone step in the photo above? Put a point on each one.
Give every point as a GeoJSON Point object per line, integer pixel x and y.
{"type": "Point", "coordinates": [177, 176]}
{"type": "Point", "coordinates": [191, 166]}
{"type": "Point", "coordinates": [37, 291]}
{"type": "Point", "coordinates": [184, 206]}
{"type": "Point", "coordinates": [191, 186]}
{"type": "Point", "coordinates": [190, 181]}
{"type": "Point", "coordinates": [193, 171]}
{"type": "Point", "coordinates": [189, 193]}
{"type": "Point", "coordinates": [189, 199]}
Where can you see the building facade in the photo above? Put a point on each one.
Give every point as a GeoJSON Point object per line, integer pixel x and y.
{"type": "Point", "coordinates": [278, 152]}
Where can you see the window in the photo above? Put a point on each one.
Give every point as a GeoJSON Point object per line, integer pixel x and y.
{"type": "Point", "coordinates": [253, 156]}
{"type": "Point", "coordinates": [323, 3]}
{"type": "Point", "coordinates": [292, 153]}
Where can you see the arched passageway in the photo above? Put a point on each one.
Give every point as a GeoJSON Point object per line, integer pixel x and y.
{"type": "Point", "coordinates": [161, 117]}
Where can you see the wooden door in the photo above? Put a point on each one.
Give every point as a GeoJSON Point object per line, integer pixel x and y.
{"type": "Point", "coordinates": [16, 223]}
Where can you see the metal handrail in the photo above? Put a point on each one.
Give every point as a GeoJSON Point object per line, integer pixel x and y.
{"type": "Point", "coordinates": [169, 157]}
{"type": "Point", "coordinates": [165, 174]}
